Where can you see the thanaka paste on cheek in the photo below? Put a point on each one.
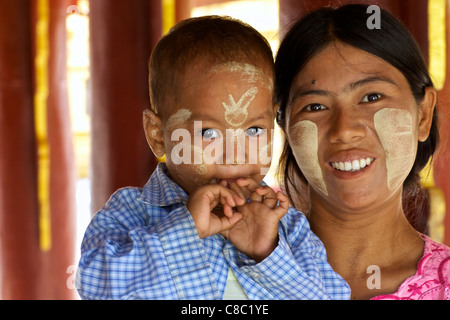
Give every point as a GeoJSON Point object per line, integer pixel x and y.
{"type": "Point", "coordinates": [200, 168]}
{"type": "Point", "coordinates": [305, 146]}
{"type": "Point", "coordinates": [265, 158]}
{"type": "Point", "coordinates": [395, 130]}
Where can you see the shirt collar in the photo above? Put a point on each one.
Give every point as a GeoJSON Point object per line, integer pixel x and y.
{"type": "Point", "coordinates": [162, 191]}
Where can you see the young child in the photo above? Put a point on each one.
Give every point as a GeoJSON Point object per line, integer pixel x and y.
{"type": "Point", "coordinates": [204, 226]}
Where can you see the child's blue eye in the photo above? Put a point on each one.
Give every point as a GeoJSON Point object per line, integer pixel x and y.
{"type": "Point", "coordinates": [371, 97]}
{"type": "Point", "coordinates": [315, 107]}
{"type": "Point", "coordinates": [254, 131]}
{"type": "Point", "coordinates": [210, 133]}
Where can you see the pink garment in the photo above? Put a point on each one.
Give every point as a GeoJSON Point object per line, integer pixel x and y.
{"type": "Point", "coordinates": [432, 279]}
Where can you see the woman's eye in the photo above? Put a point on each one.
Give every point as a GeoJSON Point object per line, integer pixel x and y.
{"type": "Point", "coordinates": [210, 133]}
{"type": "Point", "coordinates": [371, 97]}
{"type": "Point", "coordinates": [254, 131]}
{"type": "Point", "coordinates": [315, 107]}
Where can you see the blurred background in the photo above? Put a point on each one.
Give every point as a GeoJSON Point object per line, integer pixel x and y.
{"type": "Point", "coordinates": [73, 85]}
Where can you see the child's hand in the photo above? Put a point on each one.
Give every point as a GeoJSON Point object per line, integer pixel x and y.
{"type": "Point", "coordinates": [202, 202]}
{"type": "Point", "coordinates": [256, 234]}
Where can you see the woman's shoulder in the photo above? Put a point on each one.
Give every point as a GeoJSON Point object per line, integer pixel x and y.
{"type": "Point", "coordinates": [435, 261]}
{"type": "Point", "coordinates": [438, 250]}
{"type": "Point", "coordinates": [432, 279]}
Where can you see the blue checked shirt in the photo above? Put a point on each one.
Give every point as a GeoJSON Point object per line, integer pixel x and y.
{"type": "Point", "coordinates": [144, 245]}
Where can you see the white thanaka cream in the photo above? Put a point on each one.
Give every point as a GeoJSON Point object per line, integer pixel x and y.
{"type": "Point", "coordinates": [265, 154]}
{"type": "Point", "coordinates": [237, 112]}
{"type": "Point", "coordinates": [265, 157]}
{"type": "Point", "coordinates": [305, 146]}
{"type": "Point", "coordinates": [201, 168]}
{"type": "Point", "coordinates": [179, 118]}
{"type": "Point", "coordinates": [395, 130]}
{"type": "Point", "coordinates": [249, 72]}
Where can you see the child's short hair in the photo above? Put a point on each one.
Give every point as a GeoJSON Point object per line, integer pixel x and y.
{"type": "Point", "coordinates": [204, 41]}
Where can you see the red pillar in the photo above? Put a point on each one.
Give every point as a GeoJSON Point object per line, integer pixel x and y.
{"type": "Point", "coordinates": [414, 15]}
{"type": "Point", "coordinates": [182, 9]}
{"type": "Point", "coordinates": [292, 10]}
{"type": "Point", "coordinates": [442, 159]}
{"type": "Point", "coordinates": [120, 47]}
{"type": "Point", "coordinates": [19, 246]}
{"type": "Point", "coordinates": [26, 271]}
{"type": "Point", "coordinates": [62, 165]}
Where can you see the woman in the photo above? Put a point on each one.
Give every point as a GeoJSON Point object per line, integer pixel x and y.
{"type": "Point", "coordinates": [358, 109]}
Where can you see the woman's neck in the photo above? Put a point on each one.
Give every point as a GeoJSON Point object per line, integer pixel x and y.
{"type": "Point", "coordinates": [354, 241]}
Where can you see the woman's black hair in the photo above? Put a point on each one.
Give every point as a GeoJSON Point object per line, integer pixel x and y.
{"type": "Point", "coordinates": [393, 43]}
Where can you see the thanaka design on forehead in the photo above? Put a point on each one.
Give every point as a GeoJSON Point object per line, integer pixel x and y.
{"type": "Point", "coordinates": [236, 112]}
{"type": "Point", "coordinates": [249, 72]}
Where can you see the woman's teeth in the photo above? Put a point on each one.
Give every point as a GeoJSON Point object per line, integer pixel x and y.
{"type": "Point", "coordinates": [354, 165]}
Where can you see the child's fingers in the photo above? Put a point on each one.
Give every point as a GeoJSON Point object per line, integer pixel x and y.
{"type": "Point", "coordinates": [229, 222]}
{"type": "Point", "coordinates": [283, 205]}
{"type": "Point", "coordinates": [266, 191]}
{"type": "Point", "coordinates": [238, 196]}
{"type": "Point", "coordinates": [283, 199]}
{"type": "Point", "coordinates": [239, 191]}
{"type": "Point", "coordinates": [255, 197]}
{"type": "Point", "coordinates": [218, 193]}
{"type": "Point", "coordinates": [229, 199]}
{"type": "Point", "coordinates": [247, 183]}
{"type": "Point", "coordinates": [269, 196]}
{"type": "Point", "coordinates": [223, 183]}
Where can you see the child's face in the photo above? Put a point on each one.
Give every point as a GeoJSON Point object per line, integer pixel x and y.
{"type": "Point", "coordinates": [354, 126]}
{"type": "Point", "coordinates": [222, 126]}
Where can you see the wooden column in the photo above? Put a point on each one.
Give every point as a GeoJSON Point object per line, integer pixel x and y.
{"type": "Point", "coordinates": [292, 10]}
{"type": "Point", "coordinates": [442, 159]}
{"type": "Point", "coordinates": [19, 246]}
{"type": "Point", "coordinates": [62, 163]}
{"type": "Point", "coordinates": [182, 9]}
{"type": "Point", "coordinates": [31, 268]}
{"type": "Point", "coordinates": [120, 47]}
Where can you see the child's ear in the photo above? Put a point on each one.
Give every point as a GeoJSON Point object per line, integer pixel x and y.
{"type": "Point", "coordinates": [154, 132]}
{"type": "Point", "coordinates": [426, 110]}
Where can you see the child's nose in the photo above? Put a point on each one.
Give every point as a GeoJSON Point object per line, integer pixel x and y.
{"type": "Point", "coordinates": [234, 149]}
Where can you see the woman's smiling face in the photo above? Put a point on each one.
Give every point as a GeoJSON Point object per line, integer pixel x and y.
{"type": "Point", "coordinates": [353, 125]}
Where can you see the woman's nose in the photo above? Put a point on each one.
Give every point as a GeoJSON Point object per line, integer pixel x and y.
{"type": "Point", "coordinates": [346, 126]}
